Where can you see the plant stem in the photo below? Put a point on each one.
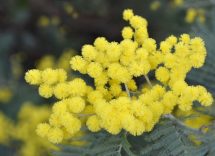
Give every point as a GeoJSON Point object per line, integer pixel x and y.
{"type": "Point", "coordinates": [125, 134]}
{"type": "Point", "coordinates": [148, 81]}
{"type": "Point", "coordinates": [127, 91]}
{"type": "Point", "coordinates": [120, 148]}
{"type": "Point", "coordinates": [84, 115]}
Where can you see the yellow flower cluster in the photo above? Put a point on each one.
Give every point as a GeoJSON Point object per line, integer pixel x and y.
{"type": "Point", "coordinates": [23, 130]}
{"type": "Point", "coordinates": [193, 14]}
{"type": "Point", "coordinates": [70, 10]}
{"type": "Point", "coordinates": [45, 21]}
{"type": "Point", "coordinates": [109, 104]}
{"type": "Point", "coordinates": [64, 122]}
{"type": "Point", "coordinates": [29, 117]}
{"type": "Point", "coordinates": [49, 81]}
{"type": "Point", "coordinates": [5, 94]}
{"type": "Point", "coordinates": [196, 119]}
{"type": "Point", "coordinates": [155, 5]}
{"type": "Point", "coordinates": [6, 127]}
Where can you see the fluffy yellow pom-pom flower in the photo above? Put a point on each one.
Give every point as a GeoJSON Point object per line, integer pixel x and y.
{"type": "Point", "coordinates": [94, 69]}
{"type": "Point", "coordinates": [138, 22]}
{"type": "Point", "coordinates": [93, 96]}
{"type": "Point", "coordinates": [77, 87]}
{"type": "Point", "coordinates": [93, 124]}
{"type": "Point", "coordinates": [101, 43]}
{"type": "Point", "coordinates": [71, 123]}
{"type": "Point", "coordinates": [55, 135]}
{"type": "Point", "coordinates": [118, 72]}
{"type": "Point", "coordinates": [33, 77]}
{"type": "Point", "coordinates": [89, 52]}
{"type": "Point", "coordinates": [62, 75]}
{"type": "Point", "coordinates": [60, 107]}
{"type": "Point", "coordinates": [43, 129]}
{"type": "Point", "coordinates": [45, 90]}
{"type": "Point", "coordinates": [127, 32]}
{"type": "Point", "coordinates": [114, 51]}
{"type": "Point", "coordinates": [62, 90]}
{"type": "Point", "coordinates": [127, 14]}
{"type": "Point", "coordinates": [79, 64]}
{"type": "Point", "coordinates": [139, 68]}
{"type": "Point", "coordinates": [205, 99]}
{"type": "Point", "coordinates": [76, 104]}
{"type": "Point", "coordinates": [49, 76]}
{"type": "Point", "coordinates": [162, 74]}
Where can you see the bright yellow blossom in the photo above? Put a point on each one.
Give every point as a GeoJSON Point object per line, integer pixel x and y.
{"type": "Point", "coordinates": [61, 90]}
{"type": "Point", "coordinates": [127, 33]}
{"type": "Point", "coordinates": [45, 91]}
{"type": "Point", "coordinates": [49, 76]}
{"type": "Point", "coordinates": [33, 77]}
{"type": "Point", "coordinates": [89, 52]}
{"type": "Point", "coordinates": [78, 63]}
{"type": "Point", "coordinates": [76, 104]}
{"type": "Point", "coordinates": [55, 135]}
{"type": "Point", "coordinates": [101, 43]}
{"type": "Point", "coordinates": [93, 124]}
{"type": "Point", "coordinates": [5, 94]}
{"type": "Point", "coordinates": [43, 129]}
{"type": "Point", "coordinates": [114, 103]}
{"type": "Point", "coordinates": [162, 74]}
{"type": "Point", "coordinates": [94, 69]}
{"type": "Point", "coordinates": [127, 14]}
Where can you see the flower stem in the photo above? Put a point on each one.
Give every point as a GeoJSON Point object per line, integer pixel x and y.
{"type": "Point", "coordinates": [148, 81]}
{"type": "Point", "coordinates": [127, 91]}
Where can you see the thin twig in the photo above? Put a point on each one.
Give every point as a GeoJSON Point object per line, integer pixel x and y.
{"type": "Point", "coordinates": [126, 133]}
{"type": "Point", "coordinates": [84, 115]}
{"type": "Point", "coordinates": [120, 148]}
{"type": "Point", "coordinates": [127, 91]}
{"type": "Point", "coordinates": [148, 81]}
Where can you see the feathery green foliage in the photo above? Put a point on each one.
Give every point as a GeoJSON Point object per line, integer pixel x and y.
{"type": "Point", "coordinates": [98, 144]}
